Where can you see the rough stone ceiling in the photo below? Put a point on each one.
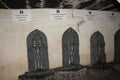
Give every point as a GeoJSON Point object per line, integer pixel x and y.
{"type": "Point", "coordinates": [103, 5]}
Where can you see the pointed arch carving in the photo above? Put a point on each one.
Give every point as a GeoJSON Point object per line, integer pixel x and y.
{"type": "Point", "coordinates": [117, 47]}
{"type": "Point", "coordinates": [37, 51]}
{"type": "Point", "coordinates": [70, 47]}
{"type": "Point", "coordinates": [97, 48]}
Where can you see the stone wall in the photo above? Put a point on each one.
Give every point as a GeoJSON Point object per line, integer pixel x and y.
{"type": "Point", "coordinates": [13, 34]}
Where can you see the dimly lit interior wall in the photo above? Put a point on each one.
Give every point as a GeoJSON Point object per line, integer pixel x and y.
{"type": "Point", "coordinates": [13, 47]}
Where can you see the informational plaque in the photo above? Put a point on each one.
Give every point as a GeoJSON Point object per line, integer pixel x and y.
{"type": "Point", "coordinates": [112, 17]}
{"type": "Point", "coordinates": [90, 15]}
{"type": "Point", "coordinates": [57, 14]}
{"type": "Point", "coordinates": [21, 15]}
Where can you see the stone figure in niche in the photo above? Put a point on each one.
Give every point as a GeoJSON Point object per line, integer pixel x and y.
{"type": "Point", "coordinates": [97, 48]}
{"type": "Point", "coordinates": [70, 46]}
{"type": "Point", "coordinates": [70, 50]}
{"type": "Point", "coordinates": [99, 53]}
{"type": "Point", "coordinates": [37, 45]}
{"type": "Point", "coordinates": [37, 51]}
{"type": "Point", "coordinates": [38, 63]}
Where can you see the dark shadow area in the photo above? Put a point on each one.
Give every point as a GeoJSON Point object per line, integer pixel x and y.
{"type": "Point", "coordinates": [117, 47]}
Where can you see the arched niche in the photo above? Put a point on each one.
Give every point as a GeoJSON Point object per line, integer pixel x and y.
{"type": "Point", "coordinates": [37, 51]}
{"type": "Point", "coordinates": [97, 48]}
{"type": "Point", "coordinates": [70, 48]}
{"type": "Point", "coordinates": [117, 47]}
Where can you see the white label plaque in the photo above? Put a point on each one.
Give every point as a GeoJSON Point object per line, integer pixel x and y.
{"type": "Point", "coordinates": [112, 17]}
{"type": "Point", "coordinates": [57, 14]}
{"type": "Point", "coordinates": [90, 15]}
{"type": "Point", "coordinates": [21, 15]}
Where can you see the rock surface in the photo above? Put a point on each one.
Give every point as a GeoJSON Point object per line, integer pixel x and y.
{"type": "Point", "coordinates": [109, 5]}
{"type": "Point", "coordinates": [98, 72]}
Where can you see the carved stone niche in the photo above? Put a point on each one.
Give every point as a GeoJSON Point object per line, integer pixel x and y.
{"type": "Point", "coordinates": [37, 50]}
{"type": "Point", "coordinates": [117, 47]}
{"type": "Point", "coordinates": [70, 50]}
{"type": "Point", "coordinates": [97, 49]}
